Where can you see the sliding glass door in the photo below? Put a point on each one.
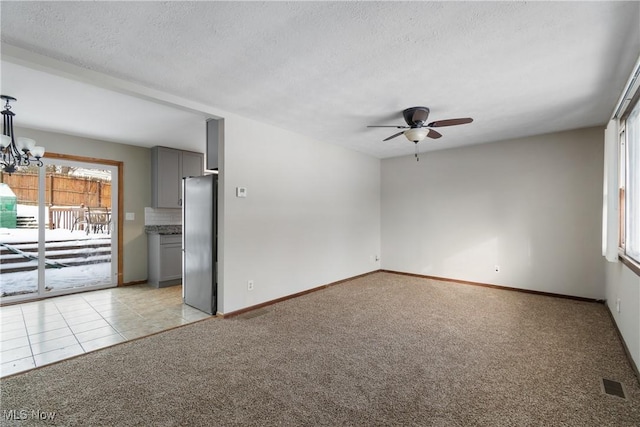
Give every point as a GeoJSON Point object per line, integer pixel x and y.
{"type": "Point", "coordinates": [64, 238]}
{"type": "Point", "coordinates": [19, 233]}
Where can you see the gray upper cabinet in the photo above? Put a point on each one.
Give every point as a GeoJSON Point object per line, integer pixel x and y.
{"type": "Point", "coordinates": [215, 139]}
{"type": "Point", "coordinates": [168, 167]}
{"type": "Point", "coordinates": [192, 165]}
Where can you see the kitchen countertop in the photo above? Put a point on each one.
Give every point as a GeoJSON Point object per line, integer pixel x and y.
{"type": "Point", "coordinates": [163, 229]}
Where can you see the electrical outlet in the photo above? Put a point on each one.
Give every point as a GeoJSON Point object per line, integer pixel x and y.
{"type": "Point", "coordinates": [618, 305]}
{"type": "Point", "coordinates": [250, 285]}
{"type": "Point", "coordinates": [497, 268]}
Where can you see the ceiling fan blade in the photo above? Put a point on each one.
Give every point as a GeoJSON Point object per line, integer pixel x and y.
{"type": "Point", "coordinates": [393, 136]}
{"type": "Point", "coordinates": [433, 134]}
{"type": "Point", "coordinates": [420, 115]}
{"type": "Point", "coordinates": [450, 122]}
{"type": "Point", "coordinates": [389, 126]}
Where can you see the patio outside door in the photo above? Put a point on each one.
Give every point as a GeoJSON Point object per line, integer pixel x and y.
{"type": "Point", "coordinates": [64, 238]}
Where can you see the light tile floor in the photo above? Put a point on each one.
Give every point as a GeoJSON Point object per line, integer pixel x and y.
{"type": "Point", "coordinates": [41, 332]}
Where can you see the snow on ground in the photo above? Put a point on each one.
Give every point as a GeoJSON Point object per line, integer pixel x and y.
{"type": "Point", "coordinates": [30, 210]}
{"type": "Point", "coordinates": [55, 278]}
{"type": "Point", "coordinates": [18, 235]}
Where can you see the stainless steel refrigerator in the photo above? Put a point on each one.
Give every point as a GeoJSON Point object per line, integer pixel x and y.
{"type": "Point", "coordinates": [199, 242]}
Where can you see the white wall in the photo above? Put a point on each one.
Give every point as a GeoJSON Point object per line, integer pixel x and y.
{"type": "Point", "coordinates": [137, 188]}
{"type": "Point", "coordinates": [532, 206]}
{"type": "Point", "coordinates": [311, 217]}
{"type": "Point", "coordinates": [624, 284]}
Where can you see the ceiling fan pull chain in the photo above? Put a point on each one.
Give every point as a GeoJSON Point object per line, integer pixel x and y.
{"type": "Point", "coordinates": [417, 158]}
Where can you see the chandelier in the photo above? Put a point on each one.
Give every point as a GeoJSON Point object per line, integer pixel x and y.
{"type": "Point", "coordinates": [16, 151]}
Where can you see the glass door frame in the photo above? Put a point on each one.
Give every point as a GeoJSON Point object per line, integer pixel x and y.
{"type": "Point", "coordinates": [116, 226]}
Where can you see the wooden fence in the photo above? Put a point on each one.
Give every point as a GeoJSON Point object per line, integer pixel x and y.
{"type": "Point", "coordinates": [61, 190]}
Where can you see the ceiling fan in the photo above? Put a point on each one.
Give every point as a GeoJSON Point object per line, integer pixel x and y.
{"type": "Point", "coordinates": [417, 129]}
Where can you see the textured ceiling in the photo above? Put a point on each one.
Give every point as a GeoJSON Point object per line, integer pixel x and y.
{"type": "Point", "coordinates": [329, 69]}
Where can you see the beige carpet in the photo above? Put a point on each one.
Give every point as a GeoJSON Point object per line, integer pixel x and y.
{"type": "Point", "coordinates": [384, 349]}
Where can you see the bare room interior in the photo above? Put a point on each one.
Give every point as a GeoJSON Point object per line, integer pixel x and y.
{"type": "Point", "coordinates": [416, 213]}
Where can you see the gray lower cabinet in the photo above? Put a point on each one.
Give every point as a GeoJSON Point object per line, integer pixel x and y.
{"type": "Point", "coordinates": [165, 260]}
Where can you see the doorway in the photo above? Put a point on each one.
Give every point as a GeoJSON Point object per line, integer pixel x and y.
{"type": "Point", "coordinates": [63, 235]}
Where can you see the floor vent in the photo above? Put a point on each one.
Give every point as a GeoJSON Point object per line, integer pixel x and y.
{"type": "Point", "coordinates": [253, 313]}
{"type": "Point", "coordinates": [613, 388]}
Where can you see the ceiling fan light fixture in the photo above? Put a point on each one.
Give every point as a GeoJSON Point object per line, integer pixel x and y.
{"type": "Point", "coordinates": [416, 134]}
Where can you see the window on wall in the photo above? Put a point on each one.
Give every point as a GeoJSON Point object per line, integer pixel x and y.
{"type": "Point", "coordinates": [622, 160]}
{"type": "Point", "coordinates": [629, 183]}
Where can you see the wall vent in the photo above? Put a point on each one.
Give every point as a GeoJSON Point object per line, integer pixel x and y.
{"type": "Point", "coordinates": [613, 388]}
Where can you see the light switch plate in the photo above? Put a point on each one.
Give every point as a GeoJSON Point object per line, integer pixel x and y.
{"type": "Point", "coordinates": [241, 191]}
{"type": "Point", "coordinates": [130, 216]}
